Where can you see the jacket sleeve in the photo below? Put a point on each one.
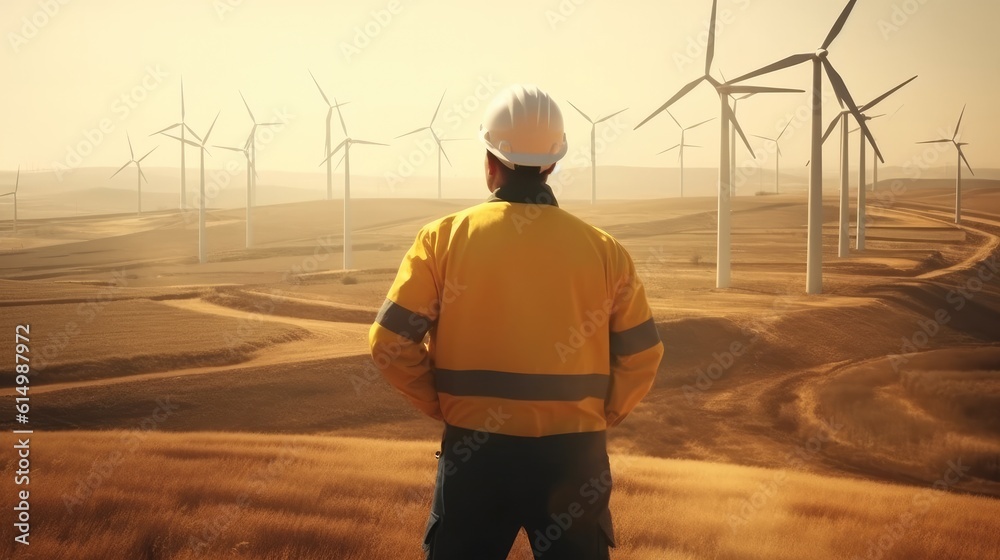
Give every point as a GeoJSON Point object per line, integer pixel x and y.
{"type": "Point", "coordinates": [636, 349]}
{"type": "Point", "coordinates": [396, 339]}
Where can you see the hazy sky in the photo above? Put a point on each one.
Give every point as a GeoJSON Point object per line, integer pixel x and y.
{"type": "Point", "coordinates": [72, 66]}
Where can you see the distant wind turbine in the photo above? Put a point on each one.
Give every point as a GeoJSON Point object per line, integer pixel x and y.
{"type": "Point", "coordinates": [184, 130]}
{"type": "Point", "coordinates": [346, 158]}
{"type": "Point", "coordinates": [437, 140]}
{"type": "Point", "coordinates": [245, 150]}
{"type": "Point", "coordinates": [202, 253]}
{"type": "Point", "coordinates": [252, 145]}
{"type": "Point", "coordinates": [777, 156]}
{"type": "Point", "coordinates": [329, 141]}
{"type": "Point", "coordinates": [820, 62]}
{"type": "Point", "coordinates": [13, 193]}
{"type": "Point", "coordinates": [683, 144]}
{"type": "Point", "coordinates": [961, 158]}
{"type": "Point", "coordinates": [732, 141]}
{"type": "Point", "coordinates": [138, 165]}
{"type": "Point", "coordinates": [593, 147]}
{"type": "Point", "coordinates": [843, 244]}
{"type": "Point", "coordinates": [724, 90]}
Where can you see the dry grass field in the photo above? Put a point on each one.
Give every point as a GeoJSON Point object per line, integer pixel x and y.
{"type": "Point", "coordinates": [136, 494]}
{"type": "Point", "coordinates": [781, 426]}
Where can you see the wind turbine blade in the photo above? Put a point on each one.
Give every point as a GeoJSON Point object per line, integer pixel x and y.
{"type": "Point", "coordinates": [185, 140]}
{"type": "Point", "coordinates": [438, 107]}
{"type": "Point", "coordinates": [444, 153]}
{"type": "Point", "coordinates": [961, 153]}
{"type": "Point", "coordinates": [758, 89]}
{"type": "Point", "coordinates": [669, 149]}
{"type": "Point", "coordinates": [674, 119]}
{"type": "Point", "coordinates": [209, 133]}
{"type": "Point", "coordinates": [934, 141]}
{"type": "Point", "coordinates": [844, 94]}
{"type": "Point", "coordinates": [120, 170]}
{"type": "Point", "coordinates": [141, 174]}
{"type": "Point", "coordinates": [783, 131]}
{"type": "Point", "coordinates": [192, 132]}
{"type": "Point", "coordinates": [691, 146]}
{"type": "Point", "coordinates": [335, 150]}
{"type": "Point", "coordinates": [793, 60]}
{"type": "Point", "coordinates": [579, 111]}
{"type": "Point", "coordinates": [764, 138]}
{"type": "Point", "coordinates": [147, 154]}
{"type": "Point", "coordinates": [166, 129]}
{"type": "Point", "coordinates": [896, 111]}
{"type": "Point", "coordinates": [182, 99]}
{"type": "Point", "coordinates": [839, 25]}
{"type": "Point", "coordinates": [241, 150]}
{"type": "Point", "coordinates": [413, 132]}
{"type": "Point", "coordinates": [732, 119]}
{"type": "Point", "coordinates": [699, 124]}
{"type": "Point", "coordinates": [830, 129]}
{"type": "Point", "coordinates": [270, 124]}
{"type": "Point", "coordinates": [250, 165]}
{"type": "Point", "coordinates": [319, 88]}
{"type": "Point", "coordinates": [778, 146]}
{"type": "Point", "coordinates": [339, 114]}
{"type": "Point", "coordinates": [247, 105]}
{"type": "Point", "coordinates": [611, 115]}
{"type": "Point", "coordinates": [131, 152]}
{"type": "Point", "coordinates": [882, 97]}
{"type": "Point", "coordinates": [710, 54]}
{"type": "Point", "coordinates": [959, 122]}
{"type": "Point", "coordinates": [17, 180]}
{"type": "Point", "coordinates": [684, 91]}
{"type": "Point", "coordinates": [353, 141]}
{"type": "Point", "coordinates": [336, 167]}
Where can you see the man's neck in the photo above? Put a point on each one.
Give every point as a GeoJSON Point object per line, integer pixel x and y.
{"type": "Point", "coordinates": [525, 190]}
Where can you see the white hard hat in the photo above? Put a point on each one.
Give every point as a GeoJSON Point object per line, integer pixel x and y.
{"type": "Point", "coordinates": [524, 126]}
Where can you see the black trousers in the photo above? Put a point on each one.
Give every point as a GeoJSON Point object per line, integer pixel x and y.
{"type": "Point", "coordinates": [490, 485]}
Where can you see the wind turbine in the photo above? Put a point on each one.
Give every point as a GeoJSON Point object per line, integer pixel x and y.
{"type": "Point", "coordinates": [184, 130]}
{"type": "Point", "coordinates": [961, 158]}
{"type": "Point", "coordinates": [252, 145]}
{"type": "Point", "coordinates": [843, 243]}
{"type": "Point", "coordinates": [329, 124]}
{"type": "Point", "coordinates": [202, 255]}
{"type": "Point", "coordinates": [724, 90]}
{"type": "Point", "coordinates": [777, 156]}
{"type": "Point", "coordinates": [732, 142]}
{"type": "Point", "coordinates": [593, 147]}
{"type": "Point", "coordinates": [346, 158]}
{"type": "Point", "coordinates": [13, 193]}
{"type": "Point", "coordinates": [245, 150]}
{"type": "Point", "coordinates": [820, 62]}
{"type": "Point", "coordinates": [680, 147]}
{"type": "Point", "coordinates": [437, 140]}
{"type": "Point", "coordinates": [138, 165]}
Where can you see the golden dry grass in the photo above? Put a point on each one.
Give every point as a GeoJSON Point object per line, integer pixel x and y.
{"type": "Point", "coordinates": [213, 495]}
{"type": "Point", "coordinates": [104, 338]}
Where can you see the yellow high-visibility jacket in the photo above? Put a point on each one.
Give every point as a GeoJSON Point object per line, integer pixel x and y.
{"type": "Point", "coordinates": [537, 322]}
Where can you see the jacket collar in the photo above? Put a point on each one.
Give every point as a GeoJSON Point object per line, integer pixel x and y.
{"type": "Point", "coordinates": [521, 191]}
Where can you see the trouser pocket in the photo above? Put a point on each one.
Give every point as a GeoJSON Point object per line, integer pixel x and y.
{"type": "Point", "coordinates": [433, 520]}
